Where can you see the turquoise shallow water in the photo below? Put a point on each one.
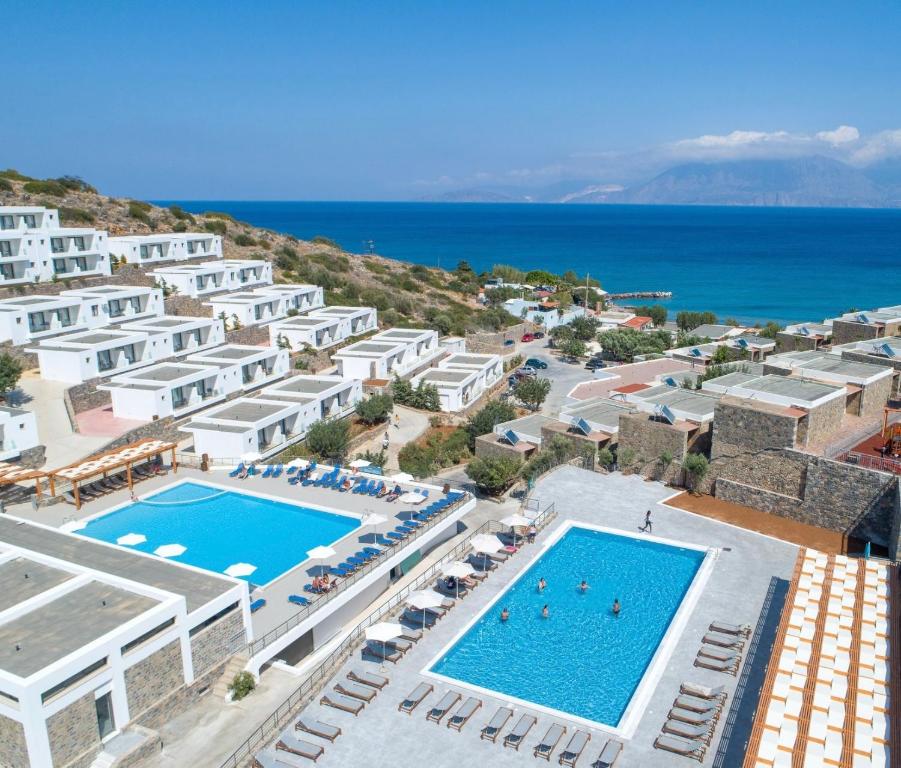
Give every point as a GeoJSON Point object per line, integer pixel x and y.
{"type": "Point", "coordinates": [582, 659]}
{"type": "Point", "coordinates": [221, 528]}
{"type": "Point", "coordinates": [754, 264]}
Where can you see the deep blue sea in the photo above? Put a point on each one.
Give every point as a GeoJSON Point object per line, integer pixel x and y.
{"type": "Point", "coordinates": [753, 264]}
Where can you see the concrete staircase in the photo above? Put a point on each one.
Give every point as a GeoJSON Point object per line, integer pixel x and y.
{"type": "Point", "coordinates": [234, 665]}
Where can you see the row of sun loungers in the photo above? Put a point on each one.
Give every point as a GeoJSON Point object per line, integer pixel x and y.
{"type": "Point", "coordinates": [721, 650]}
{"type": "Point", "coordinates": [113, 483]}
{"type": "Point", "coordinates": [692, 720]}
{"type": "Point", "coordinates": [352, 695]}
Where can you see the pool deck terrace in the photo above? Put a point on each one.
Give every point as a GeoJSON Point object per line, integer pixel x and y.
{"type": "Point", "coordinates": [737, 592]}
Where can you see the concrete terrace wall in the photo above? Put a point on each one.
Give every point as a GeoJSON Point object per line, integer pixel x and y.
{"type": "Point", "coordinates": [13, 750]}
{"type": "Point", "coordinates": [73, 733]}
{"type": "Point", "coordinates": [875, 396]}
{"type": "Point", "coordinates": [214, 645]}
{"type": "Point", "coordinates": [151, 679]}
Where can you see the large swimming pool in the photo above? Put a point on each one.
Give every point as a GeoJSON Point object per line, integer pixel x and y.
{"type": "Point", "coordinates": [220, 528]}
{"type": "Point", "coordinates": [582, 660]}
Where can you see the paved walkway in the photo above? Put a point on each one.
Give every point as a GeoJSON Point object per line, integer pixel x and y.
{"type": "Point", "coordinates": [411, 425]}
{"type": "Point", "coordinates": [100, 422]}
{"type": "Point", "coordinates": [45, 399]}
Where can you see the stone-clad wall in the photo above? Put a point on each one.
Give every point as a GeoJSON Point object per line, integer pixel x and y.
{"type": "Point", "coordinates": [85, 396]}
{"type": "Point", "coordinates": [790, 342]}
{"type": "Point", "coordinates": [874, 396]}
{"type": "Point", "coordinates": [153, 678]}
{"type": "Point", "coordinates": [74, 736]}
{"type": "Point", "coordinates": [250, 334]}
{"type": "Point", "coordinates": [780, 471]}
{"type": "Point", "coordinates": [738, 428]}
{"type": "Point", "coordinates": [13, 750]}
{"type": "Point", "coordinates": [490, 446]}
{"type": "Point", "coordinates": [824, 420]}
{"type": "Point", "coordinates": [844, 332]}
{"type": "Point", "coordinates": [211, 646]}
{"type": "Point", "coordinates": [649, 439]}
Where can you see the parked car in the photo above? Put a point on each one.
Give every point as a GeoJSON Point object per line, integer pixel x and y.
{"type": "Point", "coordinates": [509, 342]}
{"type": "Point", "coordinates": [534, 362]}
{"type": "Point", "coordinates": [527, 370]}
{"type": "Point", "coordinates": [594, 364]}
{"type": "Point", "coordinates": [528, 337]}
{"type": "Point", "coordinates": [538, 335]}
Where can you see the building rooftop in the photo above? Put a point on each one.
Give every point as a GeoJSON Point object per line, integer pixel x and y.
{"type": "Point", "coordinates": [305, 385]}
{"type": "Point", "coordinates": [304, 321]}
{"type": "Point", "coordinates": [831, 368]}
{"type": "Point", "coordinates": [342, 311]}
{"type": "Point", "coordinates": [247, 410]}
{"type": "Point", "coordinates": [773, 388]}
{"type": "Point", "coordinates": [21, 579]}
{"type": "Point", "coordinates": [197, 588]}
{"type": "Point", "coordinates": [232, 352]}
{"type": "Point", "coordinates": [602, 414]}
{"type": "Point", "coordinates": [446, 376]}
{"type": "Point", "coordinates": [526, 425]}
{"type": "Point", "coordinates": [376, 348]}
{"type": "Point", "coordinates": [164, 373]}
{"type": "Point", "coordinates": [684, 403]}
{"type": "Point", "coordinates": [712, 331]}
{"type": "Point", "coordinates": [809, 329]}
{"type": "Point", "coordinates": [167, 321]}
{"type": "Point", "coordinates": [469, 359]}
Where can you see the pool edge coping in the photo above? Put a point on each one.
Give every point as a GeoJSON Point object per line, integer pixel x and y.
{"type": "Point", "coordinates": [628, 723]}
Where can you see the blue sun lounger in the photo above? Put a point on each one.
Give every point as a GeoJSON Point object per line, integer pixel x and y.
{"type": "Point", "coordinates": [237, 470]}
{"type": "Point", "coordinates": [298, 600]}
{"type": "Point", "coordinates": [337, 570]}
{"type": "Point", "coordinates": [397, 536]}
{"type": "Point", "coordinates": [290, 471]}
{"type": "Point", "coordinates": [277, 472]}
{"type": "Point", "coordinates": [362, 486]}
{"type": "Point", "coordinates": [375, 487]}
{"type": "Point", "coordinates": [251, 471]}
{"type": "Point", "coordinates": [257, 604]}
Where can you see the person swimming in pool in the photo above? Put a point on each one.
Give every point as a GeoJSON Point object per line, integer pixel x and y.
{"type": "Point", "coordinates": [616, 606]}
{"type": "Point", "coordinates": [583, 587]}
{"type": "Point", "coordinates": [545, 612]}
{"type": "Point", "coordinates": [541, 584]}
{"type": "Point", "coordinates": [505, 614]}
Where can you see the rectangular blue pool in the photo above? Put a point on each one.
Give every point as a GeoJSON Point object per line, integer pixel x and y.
{"type": "Point", "coordinates": [220, 527]}
{"type": "Point", "coordinates": [582, 660]}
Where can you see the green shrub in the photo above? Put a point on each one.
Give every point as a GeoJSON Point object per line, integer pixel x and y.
{"type": "Point", "coordinates": [696, 467]}
{"type": "Point", "coordinates": [424, 396]}
{"type": "Point", "coordinates": [181, 214]}
{"type": "Point", "coordinates": [605, 458]}
{"type": "Point", "coordinates": [532, 391]}
{"type": "Point", "coordinates": [375, 458]}
{"type": "Point", "coordinates": [10, 372]}
{"type": "Point", "coordinates": [242, 684]}
{"type": "Point", "coordinates": [137, 210]}
{"type": "Point", "coordinates": [374, 266]}
{"type": "Point", "coordinates": [244, 241]}
{"type": "Point", "coordinates": [75, 216]}
{"type": "Point", "coordinates": [339, 263]}
{"type": "Point", "coordinates": [49, 187]}
{"type": "Point", "coordinates": [438, 451]}
{"type": "Point", "coordinates": [14, 175]}
{"type": "Point", "coordinates": [75, 184]}
{"type": "Point", "coordinates": [323, 240]}
{"type": "Point", "coordinates": [219, 215]}
{"type": "Point", "coordinates": [180, 226]}
{"type": "Point", "coordinates": [486, 419]}
{"type": "Point", "coordinates": [493, 474]}
{"type": "Point", "coordinates": [374, 409]}
{"type": "Point", "coordinates": [558, 451]}
{"type": "Point", "coordinates": [140, 205]}
{"type": "Point", "coordinates": [329, 440]}
{"type": "Point", "coordinates": [5, 186]}
{"type": "Point", "coordinates": [216, 227]}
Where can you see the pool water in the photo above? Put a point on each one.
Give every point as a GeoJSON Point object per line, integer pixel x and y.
{"type": "Point", "coordinates": [582, 659]}
{"type": "Point", "coordinates": [220, 527]}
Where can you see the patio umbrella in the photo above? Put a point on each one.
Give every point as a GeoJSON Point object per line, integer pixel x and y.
{"type": "Point", "coordinates": [73, 525]}
{"type": "Point", "coordinates": [383, 632]}
{"type": "Point", "coordinates": [130, 539]}
{"type": "Point", "coordinates": [412, 497]}
{"type": "Point", "coordinates": [251, 456]}
{"type": "Point", "coordinates": [515, 521]}
{"type": "Point", "coordinates": [485, 544]}
{"type": "Point", "coordinates": [170, 550]}
{"type": "Point", "coordinates": [402, 477]}
{"type": "Point", "coordinates": [321, 553]}
{"type": "Point", "coordinates": [423, 599]}
{"type": "Point", "coordinates": [372, 520]}
{"type": "Point", "coordinates": [458, 570]}
{"type": "Point", "coordinates": [240, 569]}
{"type": "Point", "coordinates": [357, 463]}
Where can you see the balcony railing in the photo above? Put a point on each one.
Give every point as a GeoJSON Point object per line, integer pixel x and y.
{"type": "Point", "coordinates": [867, 461]}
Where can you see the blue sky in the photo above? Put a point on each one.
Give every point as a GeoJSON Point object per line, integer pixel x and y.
{"type": "Point", "coordinates": [354, 100]}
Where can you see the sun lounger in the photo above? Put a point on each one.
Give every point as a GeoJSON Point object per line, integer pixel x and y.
{"type": "Point", "coordinates": [574, 749]}
{"type": "Point", "coordinates": [694, 749]}
{"type": "Point", "coordinates": [400, 644]}
{"type": "Point", "coordinates": [482, 563]}
{"type": "Point", "coordinates": [461, 716]}
{"type": "Point", "coordinates": [442, 588]}
{"type": "Point", "coordinates": [414, 699]}
{"type": "Point", "coordinates": [109, 484]}
{"type": "Point", "coordinates": [729, 667]}
{"type": "Point", "coordinates": [695, 704]}
{"type": "Point", "coordinates": [381, 654]}
{"type": "Point", "coordinates": [410, 634]}
{"type": "Point", "coordinates": [257, 604]}
{"type": "Point", "coordinates": [695, 718]}
{"type": "Point", "coordinates": [356, 691]}
{"type": "Point", "coordinates": [317, 728]}
{"type": "Point", "coordinates": [344, 703]}
{"type": "Point", "coordinates": [687, 730]}
{"type": "Point", "coordinates": [545, 748]}
{"type": "Point", "coordinates": [368, 678]}
{"type": "Point", "coordinates": [516, 737]}
{"type": "Point", "coordinates": [720, 654]}
{"type": "Point", "coordinates": [267, 472]}
{"type": "Point", "coordinates": [277, 472]}
{"type": "Point", "coordinates": [376, 487]}
{"type": "Point", "coordinates": [724, 641]}
{"type": "Point", "coordinates": [742, 630]}
{"type": "Point", "coordinates": [436, 713]}
{"type": "Point", "coordinates": [278, 758]}
{"type": "Point", "coordinates": [609, 754]}
{"type": "Point", "coordinates": [704, 691]}
{"type": "Point", "coordinates": [419, 618]}
{"type": "Point", "coordinates": [296, 746]}
{"type": "Point", "coordinates": [237, 470]}
{"type": "Point", "coordinates": [298, 600]}
{"type": "Point", "coordinates": [493, 729]}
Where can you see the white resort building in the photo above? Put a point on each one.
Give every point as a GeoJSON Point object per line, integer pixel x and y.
{"type": "Point", "coordinates": [18, 432]}
{"type": "Point", "coordinates": [34, 247]}
{"type": "Point", "coordinates": [193, 280]}
{"type": "Point", "coordinates": [337, 397]}
{"type": "Point", "coordinates": [243, 366]}
{"type": "Point", "coordinates": [246, 273]}
{"type": "Point", "coordinates": [185, 334]}
{"type": "Point", "coordinates": [165, 247]}
{"type": "Point", "coordinates": [462, 378]}
{"type": "Point", "coordinates": [247, 308]}
{"type": "Point", "coordinates": [298, 297]}
{"type": "Point", "coordinates": [122, 303]}
{"type": "Point", "coordinates": [361, 319]}
{"type": "Point", "coordinates": [31, 318]}
{"type": "Point", "coordinates": [396, 352]}
{"type": "Point", "coordinates": [305, 330]}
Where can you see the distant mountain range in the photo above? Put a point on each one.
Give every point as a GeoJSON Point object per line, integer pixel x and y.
{"type": "Point", "coordinates": [814, 181]}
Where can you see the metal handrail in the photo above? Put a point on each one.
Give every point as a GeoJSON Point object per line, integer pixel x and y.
{"type": "Point", "coordinates": [323, 671]}
{"type": "Point", "coordinates": [255, 646]}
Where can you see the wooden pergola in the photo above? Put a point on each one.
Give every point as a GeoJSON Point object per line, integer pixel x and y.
{"type": "Point", "coordinates": [11, 474]}
{"type": "Point", "coordinates": [107, 463]}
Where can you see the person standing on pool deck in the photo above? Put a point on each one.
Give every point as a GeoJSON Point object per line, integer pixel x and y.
{"type": "Point", "coordinates": [545, 613]}
{"type": "Point", "coordinates": [648, 526]}
{"type": "Point", "coordinates": [541, 584]}
{"type": "Point", "coordinates": [616, 606]}
{"type": "Point", "coordinates": [505, 614]}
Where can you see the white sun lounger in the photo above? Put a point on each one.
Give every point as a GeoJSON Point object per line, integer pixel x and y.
{"type": "Point", "coordinates": [729, 667]}
{"type": "Point", "coordinates": [368, 678]}
{"type": "Point", "coordinates": [720, 654]}
{"type": "Point", "coordinates": [695, 704]}
{"type": "Point", "coordinates": [493, 729]}
{"type": "Point", "coordinates": [289, 743]}
{"type": "Point", "coordinates": [317, 728]}
{"type": "Point", "coordinates": [436, 713]}
{"type": "Point", "coordinates": [356, 691]}
{"type": "Point", "coordinates": [688, 748]}
{"type": "Point", "coordinates": [545, 748]}
{"type": "Point", "coordinates": [724, 641]}
{"type": "Point", "coordinates": [703, 691]}
{"type": "Point", "coordinates": [461, 716]}
{"type": "Point", "coordinates": [687, 730]}
{"type": "Point", "coordinates": [695, 718]}
{"type": "Point", "coordinates": [272, 758]}
{"type": "Point", "coordinates": [609, 754]}
{"type": "Point", "coordinates": [516, 737]}
{"type": "Point", "coordinates": [731, 629]}
{"type": "Point", "coordinates": [344, 703]}
{"type": "Point", "coordinates": [573, 750]}
{"type": "Point", "coordinates": [415, 698]}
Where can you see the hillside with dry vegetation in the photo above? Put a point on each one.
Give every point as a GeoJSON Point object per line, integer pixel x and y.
{"type": "Point", "coordinates": [404, 294]}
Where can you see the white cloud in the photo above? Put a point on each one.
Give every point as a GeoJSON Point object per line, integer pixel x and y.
{"type": "Point", "coordinates": [880, 146]}
{"type": "Point", "coordinates": [737, 139]}
{"type": "Point", "coordinates": [844, 134]}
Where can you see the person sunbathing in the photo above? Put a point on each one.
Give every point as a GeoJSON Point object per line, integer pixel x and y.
{"type": "Point", "coordinates": [317, 584]}
{"type": "Point", "coordinates": [395, 493]}
{"type": "Point", "coordinates": [245, 472]}
{"type": "Point", "coordinates": [347, 484]}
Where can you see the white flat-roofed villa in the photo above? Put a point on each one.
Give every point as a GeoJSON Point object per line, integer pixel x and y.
{"type": "Point", "coordinates": [186, 334]}
{"type": "Point", "coordinates": [243, 366]}
{"type": "Point", "coordinates": [337, 397]}
{"type": "Point", "coordinates": [246, 273]}
{"type": "Point", "coordinates": [165, 247]}
{"type": "Point", "coordinates": [24, 319]}
{"type": "Point", "coordinates": [740, 347]}
{"type": "Point", "coordinates": [422, 341]}
{"type": "Point", "coordinates": [85, 355]}
{"type": "Point", "coordinates": [683, 404]}
{"type": "Point", "coordinates": [299, 297]}
{"type": "Point", "coordinates": [18, 432]}
{"type": "Point", "coordinates": [193, 280]}
{"type": "Point", "coordinates": [121, 303]}
{"type": "Point", "coordinates": [361, 319]}
{"type": "Point", "coordinates": [165, 389]}
{"type": "Point", "coordinates": [827, 368]}
{"type": "Point", "coordinates": [374, 360]}
{"type": "Point", "coordinates": [309, 330]}
{"type": "Point", "coordinates": [251, 426]}
{"type": "Point", "coordinates": [457, 388]}
{"type": "Point", "coordinates": [489, 367]}
{"type": "Point", "coordinates": [249, 308]}
{"type": "Point", "coordinates": [33, 246]}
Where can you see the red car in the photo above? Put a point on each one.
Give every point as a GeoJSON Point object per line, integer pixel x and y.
{"type": "Point", "coordinates": [527, 337]}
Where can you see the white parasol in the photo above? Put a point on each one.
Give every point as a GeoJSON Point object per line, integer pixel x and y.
{"type": "Point", "coordinates": [130, 539]}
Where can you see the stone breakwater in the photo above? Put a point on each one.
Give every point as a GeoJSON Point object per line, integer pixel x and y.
{"type": "Point", "coordinates": [641, 295]}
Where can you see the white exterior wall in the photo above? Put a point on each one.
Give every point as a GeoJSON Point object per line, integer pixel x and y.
{"type": "Point", "coordinates": [19, 430]}
{"type": "Point", "coordinates": [128, 303]}
{"type": "Point", "coordinates": [325, 334]}
{"type": "Point", "coordinates": [246, 273]}
{"type": "Point", "coordinates": [166, 247]}
{"type": "Point", "coordinates": [211, 279]}
{"type": "Point", "coordinates": [271, 308]}
{"type": "Point", "coordinates": [231, 371]}
{"type": "Point", "coordinates": [69, 361]}
{"type": "Point", "coordinates": [21, 322]}
{"type": "Point", "coordinates": [302, 298]}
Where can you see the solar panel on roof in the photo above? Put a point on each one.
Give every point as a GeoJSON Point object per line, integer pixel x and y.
{"type": "Point", "coordinates": [804, 330]}
{"type": "Point", "coordinates": [887, 350]}
{"type": "Point", "coordinates": [743, 343]}
{"type": "Point", "coordinates": [862, 318]}
{"type": "Point", "coordinates": [670, 381]}
{"type": "Point", "coordinates": [665, 413]}
{"type": "Point", "coordinates": [583, 426]}
{"type": "Point", "coordinates": [695, 352]}
{"type": "Point", "coordinates": [511, 437]}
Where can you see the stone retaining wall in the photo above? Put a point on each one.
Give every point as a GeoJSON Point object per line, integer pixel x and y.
{"type": "Point", "coordinates": [85, 396]}
{"type": "Point", "coordinates": [739, 428]}
{"type": "Point", "coordinates": [35, 458]}
{"type": "Point", "coordinates": [153, 678]}
{"type": "Point", "coordinates": [790, 342]}
{"type": "Point", "coordinates": [211, 647]}
{"type": "Point", "coordinates": [824, 420]}
{"type": "Point", "coordinates": [27, 359]}
{"type": "Point", "coordinates": [873, 397]}
{"type": "Point", "coordinates": [254, 335]}
{"type": "Point", "coordinates": [844, 332]}
{"type": "Point", "coordinates": [179, 700]}
{"type": "Point", "coordinates": [186, 306]}
{"type": "Point", "coordinates": [861, 357]}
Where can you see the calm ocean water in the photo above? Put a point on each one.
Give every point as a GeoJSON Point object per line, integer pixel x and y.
{"type": "Point", "coordinates": [754, 264]}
